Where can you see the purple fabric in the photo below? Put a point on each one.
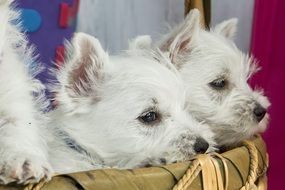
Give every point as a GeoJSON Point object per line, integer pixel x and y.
{"type": "Point", "coordinates": [49, 35]}
{"type": "Point", "coordinates": [268, 40]}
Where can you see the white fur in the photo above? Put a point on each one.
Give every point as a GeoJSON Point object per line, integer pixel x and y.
{"type": "Point", "coordinates": [98, 122]}
{"type": "Point", "coordinates": [23, 155]}
{"type": "Point", "coordinates": [204, 56]}
{"type": "Point", "coordinates": [100, 100]}
{"type": "Point", "coordinates": [140, 42]}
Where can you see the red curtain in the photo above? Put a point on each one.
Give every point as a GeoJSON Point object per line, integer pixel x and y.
{"type": "Point", "coordinates": [268, 46]}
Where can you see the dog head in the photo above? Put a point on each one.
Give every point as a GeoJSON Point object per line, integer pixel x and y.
{"type": "Point", "coordinates": [130, 110]}
{"type": "Point", "coordinates": [216, 73]}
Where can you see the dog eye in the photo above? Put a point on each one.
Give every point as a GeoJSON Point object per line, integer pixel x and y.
{"type": "Point", "coordinates": [149, 117]}
{"type": "Point", "coordinates": [218, 84]}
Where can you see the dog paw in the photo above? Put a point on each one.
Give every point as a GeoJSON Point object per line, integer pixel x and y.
{"type": "Point", "coordinates": [24, 170]}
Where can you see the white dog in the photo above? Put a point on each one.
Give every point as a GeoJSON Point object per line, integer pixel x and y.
{"type": "Point", "coordinates": [123, 112]}
{"type": "Point", "coordinates": [216, 73]}
{"type": "Point", "coordinates": [23, 154]}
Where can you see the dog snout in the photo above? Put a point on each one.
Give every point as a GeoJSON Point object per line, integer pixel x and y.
{"type": "Point", "coordinates": [259, 112]}
{"type": "Point", "coordinates": [201, 145]}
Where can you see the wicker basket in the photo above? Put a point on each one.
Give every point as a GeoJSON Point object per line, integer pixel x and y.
{"type": "Point", "coordinates": [241, 168]}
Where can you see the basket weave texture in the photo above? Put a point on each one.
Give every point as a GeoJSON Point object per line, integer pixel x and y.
{"type": "Point", "coordinates": [241, 168]}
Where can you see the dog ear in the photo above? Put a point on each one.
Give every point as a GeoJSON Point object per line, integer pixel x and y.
{"type": "Point", "coordinates": [81, 75]}
{"type": "Point", "coordinates": [88, 63]}
{"type": "Point", "coordinates": [181, 40]}
{"type": "Point", "coordinates": [227, 28]}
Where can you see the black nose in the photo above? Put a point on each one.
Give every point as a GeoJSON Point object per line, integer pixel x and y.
{"type": "Point", "coordinates": [201, 146]}
{"type": "Point", "coordinates": [259, 112]}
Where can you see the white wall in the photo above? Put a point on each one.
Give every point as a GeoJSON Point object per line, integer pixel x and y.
{"type": "Point", "coordinates": [114, 22]}
{"type": "Point", "coordinates": [243, 10]}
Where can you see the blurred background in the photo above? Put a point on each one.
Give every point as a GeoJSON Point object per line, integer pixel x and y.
{"type": "Point", "coordinates": [115, 22]}
{"type": "Point", "coordinates": [261, 30]}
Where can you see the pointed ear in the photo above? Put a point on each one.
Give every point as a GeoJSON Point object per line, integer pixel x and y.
{"type": "Point", "coordinates": [227, 28]}
{"type": "Point", "coordinates": [82, 73]}
{"type": "Point", "coordinates": [140, 42]}
{"type": "Point", "coordinates": [180, 41]}
{"type": "Point", "coordinates": [88, 63]}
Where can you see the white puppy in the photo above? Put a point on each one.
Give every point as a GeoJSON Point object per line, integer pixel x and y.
{"type": "Point", "coordinates": [23, 155]}
{"type": "Point", "coordinates": [124, 112]}
{"type": "Point", "coordinates": [216, 73]}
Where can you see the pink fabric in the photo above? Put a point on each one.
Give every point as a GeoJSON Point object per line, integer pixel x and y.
{"type": "Point", "coordinates": [268, 46]}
